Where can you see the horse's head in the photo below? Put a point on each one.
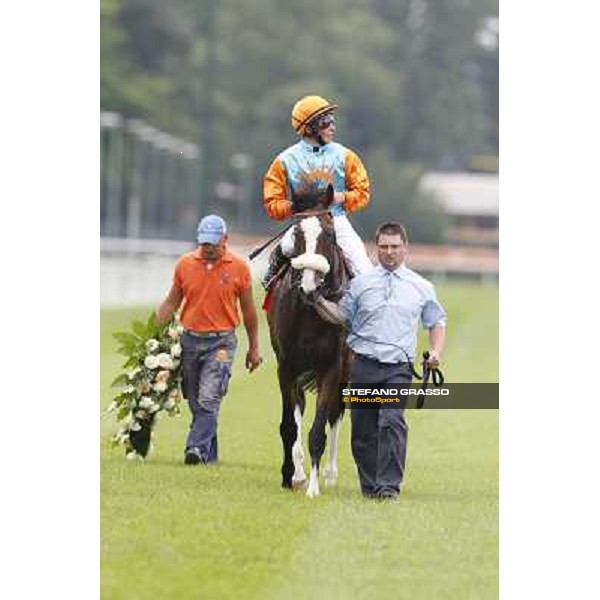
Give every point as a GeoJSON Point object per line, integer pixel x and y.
{"type": "Point", "coordinates": [315, 257]}
{"type": "Point", "coordinates": [312, 198]}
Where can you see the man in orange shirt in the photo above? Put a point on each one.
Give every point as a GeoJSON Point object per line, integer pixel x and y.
{"type": "Point", "coordinates": [210, 281]}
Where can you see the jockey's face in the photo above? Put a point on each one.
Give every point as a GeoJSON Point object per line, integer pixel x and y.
{"type": "Point", "coordinates": [214, 252]}
{"type": "Point", "coordinates": [326, 128]}
{"type": "Point", "coordinates": [391, 251]}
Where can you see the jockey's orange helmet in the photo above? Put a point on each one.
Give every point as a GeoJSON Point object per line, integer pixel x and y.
{"type": "Point", "coordinates": [308, 109]}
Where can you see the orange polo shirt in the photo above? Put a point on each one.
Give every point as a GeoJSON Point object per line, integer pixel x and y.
{"type": "Point", "coordinates": [211, 290]}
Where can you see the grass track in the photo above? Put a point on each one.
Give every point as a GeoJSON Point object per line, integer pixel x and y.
{"type": "Point", "coordinates": [229, 531]}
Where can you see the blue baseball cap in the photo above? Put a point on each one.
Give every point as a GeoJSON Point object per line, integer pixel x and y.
{"type": "Point", "coordinates": [211, 229]}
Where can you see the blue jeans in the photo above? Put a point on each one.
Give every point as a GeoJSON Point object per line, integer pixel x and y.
{"type": "Point", "coordinates": [207, 364]}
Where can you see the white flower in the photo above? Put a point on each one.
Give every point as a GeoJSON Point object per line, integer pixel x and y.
{"type": "Point", "coordinates": [128, 389]}
{"type": "Point", "coordinates": [152, 345]}
{"type": "Point", "coordinates": [134, 426]}
{"type": "Point", "coordinates": [176, 363]}
{"type": "Point", "coordinates": [133, 373]}
{"type": "Point", "coordinates": [179, 329]}
{"type": "Point", "coordinates": [176, 350]}
{"type": "Point", "coordinates": [169, 404]}
{"type": "Point", "coordinates": [145, 402]}
{"type": "Point", "coordinates": [141, 414]}
{"type": "Point", "coordinates": [162, 376]}
{"type": "Point", "coordinates": [161, 386]}
{"type": "Point", "coordinates": [165, 361]}
{"type": "Point", "coordinates": [151, 361]}
{"type": "Point", "coordinates": [173, 333]}
{"type": "Point", "coordinates": [154, 408]}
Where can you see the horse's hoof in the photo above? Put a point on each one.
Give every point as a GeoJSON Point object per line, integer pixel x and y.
{"type": "Point", "coordinates": [133, 456]}
{"type": "Point", "coordinates": [299, 485]}
{"type": "Point", "coordinates": [312, 492]}
{"type": "Point", "coordinates": [330, 476]}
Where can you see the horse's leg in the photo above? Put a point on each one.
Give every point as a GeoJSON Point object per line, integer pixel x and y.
{"type": "Point", "coordinates": [336, 413]}
{"type": "Point", "coordinates": [297, 451]}
{"type": "Point", "coordinates": [317, 440]}
{"type": "Point", "coordinates": [330, 472]}
{"type": "Point", "coordinates": [287, 428]}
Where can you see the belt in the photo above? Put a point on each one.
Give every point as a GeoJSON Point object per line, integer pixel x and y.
{"type": "Point", "coordinates": [365, 357]}
{"type": "Point", "coordinates": [209, 334]}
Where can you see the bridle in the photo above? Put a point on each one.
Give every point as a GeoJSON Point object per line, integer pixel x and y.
{"type": "Point", "coordinates": [295, 219]}
{"type": "Point", "coordinates": [325, 288]}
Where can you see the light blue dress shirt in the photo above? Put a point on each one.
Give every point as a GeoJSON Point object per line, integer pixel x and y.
{"type": "Point", "coordinates": [383, 309]}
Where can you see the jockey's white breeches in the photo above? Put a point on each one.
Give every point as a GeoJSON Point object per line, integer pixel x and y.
{"type": "Point", "coordinates": [347, 239]}
{"type": "Point", "coordinates": [351, 244]}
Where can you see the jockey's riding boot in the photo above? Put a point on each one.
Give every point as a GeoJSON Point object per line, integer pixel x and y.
{"type": "Point", "coordinates": [276, 261]}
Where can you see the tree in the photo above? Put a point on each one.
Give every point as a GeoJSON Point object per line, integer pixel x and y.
{"type": "Point", "coordinates": [413, 84]}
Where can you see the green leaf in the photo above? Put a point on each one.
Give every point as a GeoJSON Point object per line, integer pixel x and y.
{"type": "Point", "coordinates": [126, 338]}
{"type": "Point", "coordinates": [120, 399]}
{"type": "Point", "coordinates": [139, 328]}
{"type": "Point", "coordinates": [122, 412]}
{"type": "Point", "coordinates": [122, 379]}
{"type": "Point", "coordinates": [152, 327]}
{"type": "Point", "coordinates": [134, 361]}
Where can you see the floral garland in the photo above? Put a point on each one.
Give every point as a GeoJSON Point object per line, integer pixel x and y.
{"type": "Point", "coordinates": [151, 381]}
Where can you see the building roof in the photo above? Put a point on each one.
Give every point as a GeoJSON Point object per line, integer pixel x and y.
{"type": "Point", "coordinates": [474, 194]}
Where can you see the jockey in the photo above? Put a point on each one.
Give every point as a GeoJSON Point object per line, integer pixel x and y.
{"type": "Point", "coordinates": [301, 174]}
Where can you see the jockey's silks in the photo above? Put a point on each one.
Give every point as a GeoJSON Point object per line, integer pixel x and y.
{"type": "Point", "coordinates": [304, 170]}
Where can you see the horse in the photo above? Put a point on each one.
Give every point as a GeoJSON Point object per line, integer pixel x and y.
{"type": "Point", "coordinates": [311, 352]}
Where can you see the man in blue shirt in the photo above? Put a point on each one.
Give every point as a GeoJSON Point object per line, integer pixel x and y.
{"type": "Point", "coordinates": [382, 308]}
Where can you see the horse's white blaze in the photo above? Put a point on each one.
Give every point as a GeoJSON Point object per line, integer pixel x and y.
{"type": "Point", "coordinates": [313, 484]}
{"type": "Point", "coordinates": [330, 473]}
{"type": "Point", "coordinates": [312, 229]}
{"type": "Point", "coordinates": [297, 450]}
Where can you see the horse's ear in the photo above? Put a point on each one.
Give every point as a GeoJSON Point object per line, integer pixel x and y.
{"type": "Point", "coordinates": [329, 196]}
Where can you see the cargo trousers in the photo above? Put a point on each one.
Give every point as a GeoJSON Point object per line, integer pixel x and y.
{"type": "Point", "coordinates": [207, 363]}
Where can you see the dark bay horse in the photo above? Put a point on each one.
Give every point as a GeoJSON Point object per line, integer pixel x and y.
{"type": "Point", "coordinates": [311, 352]}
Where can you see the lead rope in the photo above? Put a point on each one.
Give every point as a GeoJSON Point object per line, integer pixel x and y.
{"type": "Point", "coordinates": [436, 375]}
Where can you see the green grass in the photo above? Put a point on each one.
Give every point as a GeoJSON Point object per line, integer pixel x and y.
{"type": "Point", "coordinates": [229, 531]}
